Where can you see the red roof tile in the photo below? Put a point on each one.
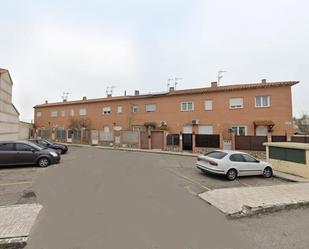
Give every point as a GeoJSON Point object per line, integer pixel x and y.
{"type": "Point", "coordinates": [236, 87]}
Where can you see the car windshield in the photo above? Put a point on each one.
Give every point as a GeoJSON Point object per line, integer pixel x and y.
{"type": "Point", "coordinates": [48, 142]}
{"type": "Point", "coordinates": [216, 154]}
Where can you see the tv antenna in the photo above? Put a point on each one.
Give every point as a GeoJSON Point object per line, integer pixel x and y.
{"type": "Point", "coordinates": [175, 80]}
{"type": "Point", "coordinates": [220, 75]}
{"type": "Point", "coordinates": [169, 82]}
{"type": "Point", "coordinates": [109, 90]}
{"type": "Point", "coordinates": [65, 95]}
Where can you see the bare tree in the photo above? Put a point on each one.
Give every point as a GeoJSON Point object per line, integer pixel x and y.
{"type": "Point", "coordinates": [79, 123]}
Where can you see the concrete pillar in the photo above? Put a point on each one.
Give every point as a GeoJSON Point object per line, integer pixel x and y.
{"type": "Point", "coordinates": [193, 143]}
{"type": "Point", "coordinates": [288, 137]}
{"type": "Point", "coordinates": [269, 138]}
{"type": "Point", "coordinates": [221, 140]}
{"type": "Point", "coordinates": [233, 141]}
{"type": "Point", "coordinates": [164, 139]}
{"type": "Point", "coordinates": [149, 138]}
{"type": "Point", "coordinates": [180, 142]}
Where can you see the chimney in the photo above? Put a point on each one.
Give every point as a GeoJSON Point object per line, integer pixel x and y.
{"type": "Point", "coordinates": [263, 81]}
{"type": "Point", "coordinates": [46, 101]}
{"type": "Point", "coordinates": [125, 93]}
{"type": "Point", "coordinates": [64, 100]}
{"type": "Point", "coordinates": [109, 95]}
{"type": "Point", "coordinates": [84, 98]}
{"type": "Point", "coordinates": [171, 89]}
{"type": "Point", "coordinates": [214, 84]}
{"type": "Point", "coordinates": [136, 92]}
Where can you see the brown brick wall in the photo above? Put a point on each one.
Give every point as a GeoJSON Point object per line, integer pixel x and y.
{"type": "Point", "coordinates": [168, 109]}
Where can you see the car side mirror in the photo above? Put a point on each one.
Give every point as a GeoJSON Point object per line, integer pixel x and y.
{"type": "Point", "coordinates": [32, 150]}
{"type": "Point", "coordinates": [258, 161]}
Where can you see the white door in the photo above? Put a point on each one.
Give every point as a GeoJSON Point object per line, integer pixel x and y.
{"type": "Point", "coordinates": [187, 129]}
{"type": "Point", "coordinates": [205, 129]}
{"type": "Point", "coordinates": [261, 131]}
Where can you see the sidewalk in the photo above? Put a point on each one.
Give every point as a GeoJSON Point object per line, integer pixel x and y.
{"type": "Point", "coordinates": [16, 222]}
{"type": "Point", "coordinates": [238, 202]}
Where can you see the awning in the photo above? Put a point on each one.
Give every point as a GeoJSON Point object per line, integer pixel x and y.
{"type": "Point", "coordinates": [264, 123]}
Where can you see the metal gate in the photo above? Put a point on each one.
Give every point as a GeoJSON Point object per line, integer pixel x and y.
{"type": "Point", "coordinates": [157, 140]}
{"type": "Point", "coordinates": [144, 139]}
{"type": "Point", "coordinates": [187, 141]}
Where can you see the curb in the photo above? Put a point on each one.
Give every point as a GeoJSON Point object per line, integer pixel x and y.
{"type": "Point", "coordinates": [13, 243]}
{"type": "Point", "coordinates": [135, 150]}
{"type": "Point", "coordinates": [248, 211]}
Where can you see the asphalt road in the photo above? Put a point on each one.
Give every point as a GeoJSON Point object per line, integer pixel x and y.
{"type": "Point", "coordinates": [110, 199]}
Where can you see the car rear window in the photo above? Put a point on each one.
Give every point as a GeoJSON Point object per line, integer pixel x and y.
{"type": "Point", "coordinates": [216, 154]}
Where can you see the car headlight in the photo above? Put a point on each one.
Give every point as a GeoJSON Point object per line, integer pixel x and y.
{"type": "Point", "coordinates": [54, 154]}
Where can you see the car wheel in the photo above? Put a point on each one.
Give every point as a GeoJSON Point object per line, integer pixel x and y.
{"type": "Point", "coordinates": [60, 151]}
{"type": "Point", "coordinates": [267, 172]}
{"type": "Point", "coordinates": [43, 162]}
{"type": "Point", "coordinates": [231, 174]}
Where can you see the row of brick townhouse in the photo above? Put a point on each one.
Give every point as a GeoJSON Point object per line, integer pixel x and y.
{"type": "Point", "coordinates": [247, 109]}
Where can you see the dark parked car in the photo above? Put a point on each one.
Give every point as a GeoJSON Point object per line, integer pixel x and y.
{"type": "Point", "coordinates": [26, 153]}
{"type": "Point", "coordinates": [60, 148]}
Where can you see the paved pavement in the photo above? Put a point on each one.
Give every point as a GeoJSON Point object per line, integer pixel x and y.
{"type": "Point", "coordinates": [111, 199]}
{"type": "Point", "coordinates": [17, 220]}
{"type": "Point", "coordinates": [16, 184]}
{"type": "Point", "coordinates": [116, 199]}
{"type": "Point", "coordinates": [252, 200]}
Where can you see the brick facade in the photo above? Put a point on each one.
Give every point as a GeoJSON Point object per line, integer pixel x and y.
{"type": "Point", "coordinates": [220, 118]}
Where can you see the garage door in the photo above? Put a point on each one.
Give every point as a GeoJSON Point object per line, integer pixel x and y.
{"type": "Point", "coordinates": [157, 140]}
{"type": "Point", "coordinates": [205, 129]}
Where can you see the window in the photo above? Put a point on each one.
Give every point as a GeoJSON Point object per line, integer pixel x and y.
{"type": "Point", "coordinates": [23, 147]}
{"type": "Point", "coordinates": [237, 158]}
{"type": "Point", "coordinates": [134, 108]}
{"type": "Point", "coordinates": [216, 154]}
{"type": "Point", "coordinates": [239, 130]}
{"type": "Point", "coordinates": [82, 111]}
{"type": "Point", "coordinates": [236, 103]}
{"type": "Point", "coordinates": [7, 147]}
{"type": "Point", "coordinates": [39, 114]}
{"type": "Point", "coordinates": [208, 105]}
{"type": "Point", "coordinates": [262, 101]}
{"type": "Point", "coordinates": [72, 112]}
{"type": "Point", "coordinates": [54, 114]}
{"type": "Point", "coordinates": [187, 106]}
{"type": "Point", "coordinates": [106, 110]}
{"type": "Point", "coordinates": [151, 107]}
{"type": "Point", "coordinates": [250, 159]}
{"type": "Point", "coordinates": [42, 143]}
{"type": "Point", "coordinates": [62, 113]}
{"type": "Point", "coordinates": [119, 109]}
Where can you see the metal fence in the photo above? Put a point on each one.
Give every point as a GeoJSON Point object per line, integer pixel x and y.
{"type": "Point", "coordinates": [210, 141]}
{"type": "Point", "coordinates": [278, 138]}
{"type": "Point", "coordinates": [250, 143]}
{"type": "Point", "coordinates": [172, 140]}
{"type": "Point", "coordinates": [300, 139]}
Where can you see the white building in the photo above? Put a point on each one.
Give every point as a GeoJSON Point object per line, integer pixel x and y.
{"type": "Point", "coordinates": [9, 116]}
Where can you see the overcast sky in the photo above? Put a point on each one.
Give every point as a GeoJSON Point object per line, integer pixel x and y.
{"type": "Point", "coordinates": [82, 47]}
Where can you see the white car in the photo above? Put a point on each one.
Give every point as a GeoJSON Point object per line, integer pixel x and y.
{"type": "Point", "coordinates": [233, 164]}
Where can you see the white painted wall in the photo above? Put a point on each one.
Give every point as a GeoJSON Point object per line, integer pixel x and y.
{"type": "Point", "coordinates": [9, 117]}
{"type": "Point", "coordinates": [24, 130]}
